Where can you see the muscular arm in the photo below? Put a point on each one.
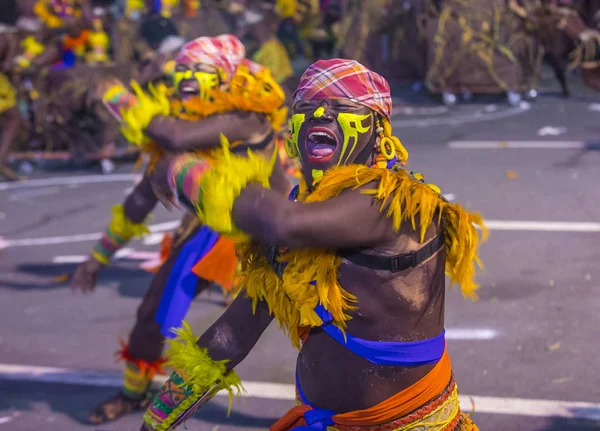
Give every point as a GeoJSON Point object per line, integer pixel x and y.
{"type": "Point", "coordinates": [174, 134]}
{"type": "Point", "coordinates": [348, 220]}
{"type": "Point", "coordinates": [140, 202]}
{"type": "Point", "coordinates": [236, 332]}
{"type": "Point", "coordinates": [136, 208]}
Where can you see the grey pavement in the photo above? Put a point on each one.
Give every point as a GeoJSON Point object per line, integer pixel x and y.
{"type": "Point", "coordinates": [540, 290]}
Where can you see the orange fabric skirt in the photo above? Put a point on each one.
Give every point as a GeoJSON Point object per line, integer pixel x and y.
{"type": "Point", "coordinates": [219, 265]}
{"type": "Point", "coordinates": [434, 393]}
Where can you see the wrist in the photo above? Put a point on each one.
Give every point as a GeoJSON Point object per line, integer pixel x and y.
{"type": "Point", "coordinates": [197, 377]}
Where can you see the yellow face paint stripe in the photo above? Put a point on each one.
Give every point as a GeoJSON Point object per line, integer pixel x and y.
{"type": "Point", "coordinates": [319, 112]}
{"type": "Point", "coordinates": [316, 175]}
{"type": "Point", "coordinates": [295, 125]}
{"type": "Point", "coordinates": [351, 125]}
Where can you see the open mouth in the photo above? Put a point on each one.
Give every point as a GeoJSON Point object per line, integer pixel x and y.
{"type": "Point", "coordinates": [188, 88]}
{"type": "Point", "coordinates": [320, 144]}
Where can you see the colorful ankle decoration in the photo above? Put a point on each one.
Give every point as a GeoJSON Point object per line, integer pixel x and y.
{"type": "Point", "coordinates": [138, 373]}
{"type": "Point", "coordinates": [135, 381]}
{"type": "Point", "coordinates": [117, 234]}
{"type": "Point", "coordinates": [197, 376]}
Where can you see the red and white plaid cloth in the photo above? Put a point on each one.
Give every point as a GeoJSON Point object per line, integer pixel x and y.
{"type": "Point", "coordinates": [225, 52]}
{"type": "Point", "coordinates": [345, 79]}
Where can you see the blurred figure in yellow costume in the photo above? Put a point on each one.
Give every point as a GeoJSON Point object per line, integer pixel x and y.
{"type": "Point", "coordinates": [99, 41]}
{"type": "Point", "coordinates": [260, 22]}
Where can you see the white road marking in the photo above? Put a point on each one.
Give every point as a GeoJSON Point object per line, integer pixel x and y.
{"type": "Point", "coordinates": [542, 226]}
{"type": "Point", "coordinates": [66, 239]}
{"type": "Point", "coordinates": [551, 131]}
{"type": "Point", "coordinates": [124, 253]}
{"type": "Point", "coordinates": [149, 265]}
{"type": "Point", "coordinates": [475, 117]}
{"type": "Point", "coordinates": [153, 239]}
{"type": "Point", "coordinates": [594, 107]}
{"type": "Point", "coordinates": [144, 255]}
{"type": "Point", "coordinates": [470, 334]}
{"type": "Point", "coordinates": [5, 419]}
{"type": "Point", "coordinates": [286, 392]}
{"type": "Point", "coordinates": [69, 259]}
{"type": "Point", "coordinates": [58, 181]}
{"type": "Point", "coordinates": [131, 254]}
{"type": "Point", "coordinates": [25, 195]}
{"type": "Point", "coordinates": [504, 225]}
{"type": "Point", "coordinates": [492, 145]}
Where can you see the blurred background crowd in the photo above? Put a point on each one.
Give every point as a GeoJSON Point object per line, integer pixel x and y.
{"type": "Point", "coordinates": [53, 53]}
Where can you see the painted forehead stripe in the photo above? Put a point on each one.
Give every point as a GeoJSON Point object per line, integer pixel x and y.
{"type": "Point", "coordinates": [345, 79]}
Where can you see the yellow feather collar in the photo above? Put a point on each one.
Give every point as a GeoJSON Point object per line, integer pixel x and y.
{"type": "Point", "coordinates": [293, 298]}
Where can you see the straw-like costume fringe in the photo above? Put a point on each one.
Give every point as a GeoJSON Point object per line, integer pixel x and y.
{"type": "Point", "coordinates": [440, 414]}
{"type": "Point", "coordinates": [292, 299]}
{"type": "Point", "coordinates": [196, 374]}
{"type": "Point", "coordinates": [587, 51]}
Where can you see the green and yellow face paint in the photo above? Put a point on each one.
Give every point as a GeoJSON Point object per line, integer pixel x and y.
{"type": "Point", "coordinates": [291, 144]}
{"type": "Point", "coordinates": [352, 126]}
{"type": "Point", "coordinates": [207, 82]}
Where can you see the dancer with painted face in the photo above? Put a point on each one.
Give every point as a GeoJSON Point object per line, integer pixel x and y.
{"type": "Point", "coordinates": [215, 91]}
{"type": "Point", "coordinates": [352, 267]}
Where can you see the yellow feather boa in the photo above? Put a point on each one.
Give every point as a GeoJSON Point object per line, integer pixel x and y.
{"type": "Point", "coordinates": [293, 298]}
{"type": "Point", "coordinates": [229, 175]}
{"type": "Point", "coordinates": [201, 372]}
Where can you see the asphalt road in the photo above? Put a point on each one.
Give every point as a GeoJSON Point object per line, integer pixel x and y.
{"type": "Point", "coordinates": [538, 311]}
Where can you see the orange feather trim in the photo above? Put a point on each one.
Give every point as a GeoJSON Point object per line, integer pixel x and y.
{"type": "Point", "coordinates": [148, 368]}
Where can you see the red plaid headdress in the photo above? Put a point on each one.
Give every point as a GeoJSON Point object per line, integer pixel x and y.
{"type": "Point", "coordinates": [225, 52]}
{"type": "Point", "coordinates": [345, 79]}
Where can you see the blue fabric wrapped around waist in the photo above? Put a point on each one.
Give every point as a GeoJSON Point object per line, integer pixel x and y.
{"type": "Point", "coordinates": [316, 419]}
{"type": "Point", "coordinates": [408, 354]}
{"type": "Point", "coordinates": [182, 283]}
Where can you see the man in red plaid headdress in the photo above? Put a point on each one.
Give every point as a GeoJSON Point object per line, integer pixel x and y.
{"type": "Point", "coordinates": [352, 266]}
